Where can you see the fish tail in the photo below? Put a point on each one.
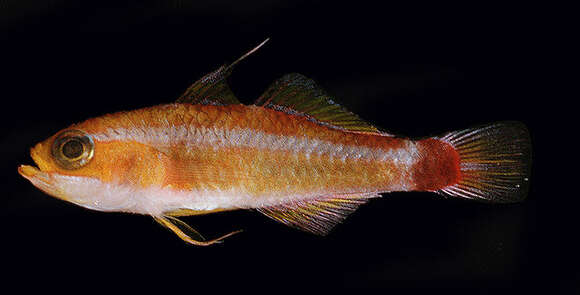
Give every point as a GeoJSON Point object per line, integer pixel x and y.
{"type": "Point", "coordinates": [489, 163]}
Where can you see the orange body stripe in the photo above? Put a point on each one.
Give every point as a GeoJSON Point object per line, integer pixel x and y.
{"type": "Point", "coordinates": [231, 117]}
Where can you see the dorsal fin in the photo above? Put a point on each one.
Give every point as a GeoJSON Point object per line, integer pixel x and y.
{"type": "Point", "coordinates": [213, 89]}
{"type": "Point", "coordinates": [295, 93]}
{"type": "Point", "coordinates": [317, 216]}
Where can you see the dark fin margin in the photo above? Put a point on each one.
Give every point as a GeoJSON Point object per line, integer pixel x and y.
{"type": "Point", "coordinates": [495, 162]}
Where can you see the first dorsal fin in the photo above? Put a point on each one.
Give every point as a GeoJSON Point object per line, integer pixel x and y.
{"type": "Point", "coordinates": [317, 216]}
{"type": "Point", "coordinates": [213, 89]}
{"type": "Point", "coordinates": [297, 94]}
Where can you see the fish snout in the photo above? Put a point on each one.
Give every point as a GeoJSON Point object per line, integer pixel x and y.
{"type": "Point", "coordinates": [28, 171]}
{"type": "Point", "coordinates": [37, 154]}
{"type": "Point", "coordinates": [41, 180]}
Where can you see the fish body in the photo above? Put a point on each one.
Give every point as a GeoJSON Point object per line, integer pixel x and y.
{"type": "Point", "coordinates": [206, 157]}
{"type": "Point", "coordinates": [295, 155]}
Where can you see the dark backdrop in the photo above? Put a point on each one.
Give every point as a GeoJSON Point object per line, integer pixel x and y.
{"type": "Point", "coordinates": [416, 69]}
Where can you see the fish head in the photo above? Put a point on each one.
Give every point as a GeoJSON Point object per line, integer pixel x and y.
{"type": "Point", "coordinates": [99, 164]}
{"type": "Point", "coordinates": [74, 166]}
{"type": "Point", "coordinates": [64, 163]}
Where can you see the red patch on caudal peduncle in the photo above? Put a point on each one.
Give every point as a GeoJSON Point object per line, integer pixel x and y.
{"type": "Point", "coordinates": [438, 166]}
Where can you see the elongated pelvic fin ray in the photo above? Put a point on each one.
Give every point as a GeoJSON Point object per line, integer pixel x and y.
{"type": "Point", "coordinates": [297, 94]}
{"type": "Point", "coordinates": [186, 233]}
{"type": "Point", "coordinates": [317, 216]}
{"type": "Point", "coordinates": [213, 89]}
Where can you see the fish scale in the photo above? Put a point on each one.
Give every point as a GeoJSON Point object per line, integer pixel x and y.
{"type": "Point", "coordinates": [257, 139]}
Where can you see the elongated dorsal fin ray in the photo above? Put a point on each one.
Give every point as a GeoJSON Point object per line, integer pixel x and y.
{"type": "Point", "coordinates": [186, 233]}
{"type": "Point", "coordinates": [213, 89]}
{"type": "Point", "coordinates": [317, 216]}
{"type": "Point", "coordinates": [297, 94]}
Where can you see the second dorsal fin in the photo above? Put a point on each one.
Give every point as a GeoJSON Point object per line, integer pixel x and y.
{"type": "Point", "coordinates": [295, 93]}
{"type": "Point", "coordinates": [213, 89]}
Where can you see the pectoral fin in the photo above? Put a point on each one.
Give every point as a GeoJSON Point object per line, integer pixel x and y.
{"type": "Point", "coordinates": [186, 233]}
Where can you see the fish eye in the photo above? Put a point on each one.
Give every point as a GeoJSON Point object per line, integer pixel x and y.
{"type": "Point", "coordinates": [72, 149]}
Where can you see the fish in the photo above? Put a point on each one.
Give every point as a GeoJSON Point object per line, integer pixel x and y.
{"type": "Point", "coordinates": [294, 155]}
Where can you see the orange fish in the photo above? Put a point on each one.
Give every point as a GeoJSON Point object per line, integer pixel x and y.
{"type": "Point", "coordinates": [294, 155]}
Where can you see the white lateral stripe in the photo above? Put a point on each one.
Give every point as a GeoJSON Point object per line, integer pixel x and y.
{"type": "Point", "coordinates": [238, 137]}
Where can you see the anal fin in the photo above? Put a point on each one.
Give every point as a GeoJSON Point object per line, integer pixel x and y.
{"type": "Point", "coordinates": [318, 216]}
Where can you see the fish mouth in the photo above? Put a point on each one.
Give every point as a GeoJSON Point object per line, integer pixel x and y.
{"type": "Point", "coordinates": [39, 179]}
{"type": "Point", "coordinates": [28, 171]}
{"type": "Point", "coordinates": [31, 172]}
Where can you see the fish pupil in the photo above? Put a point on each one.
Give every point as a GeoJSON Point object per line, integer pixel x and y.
{"type": "Point", "coordinates": [72, 149]}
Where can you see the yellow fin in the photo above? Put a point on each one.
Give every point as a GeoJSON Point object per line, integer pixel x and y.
{"type": "Point", "coordinates": [317, 216]}
{"type": "Point", "coordinates": [297, 94]}
{"type": "Point", "coordinates": [186, 233]}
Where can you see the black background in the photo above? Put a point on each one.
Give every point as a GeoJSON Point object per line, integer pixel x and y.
{"type": "Point", "coordinates": [416, 69]}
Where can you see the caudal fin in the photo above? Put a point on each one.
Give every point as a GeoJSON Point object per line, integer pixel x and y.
{"type": "Point", "coordinates": [494, 162]}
